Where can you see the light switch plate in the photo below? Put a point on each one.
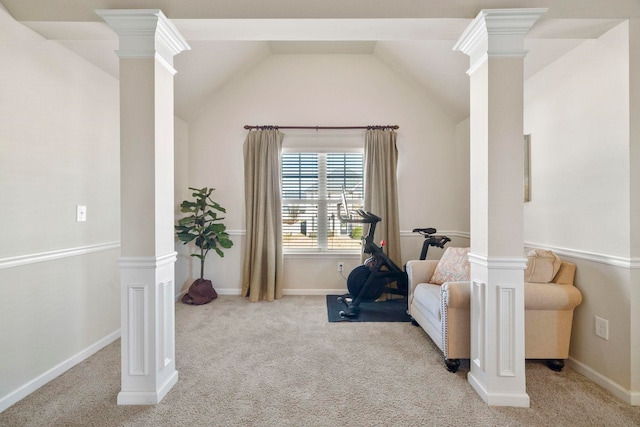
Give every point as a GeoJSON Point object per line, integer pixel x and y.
{"type": "Point", "coordinates": [81, 213]}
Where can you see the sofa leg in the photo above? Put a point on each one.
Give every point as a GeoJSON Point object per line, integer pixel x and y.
{"type": "Point", "coordinates": [414, 323]}
{"type": "Point", "coordinates": [452, 364]}
{"type": "Point", "coordinates": [555, 364]}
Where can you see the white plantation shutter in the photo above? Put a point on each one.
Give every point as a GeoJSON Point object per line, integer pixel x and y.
{"type": "Point", "coordinates": [311, 188]}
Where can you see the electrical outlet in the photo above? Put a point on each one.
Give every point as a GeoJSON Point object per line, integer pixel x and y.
{"type": "Point", "coordinates": [602, 328]}
{"type": "Point", "coordinates": [341, 266]}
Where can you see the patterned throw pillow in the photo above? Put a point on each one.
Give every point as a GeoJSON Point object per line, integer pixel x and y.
{"type": "Point", "coordinates": [452, 267]}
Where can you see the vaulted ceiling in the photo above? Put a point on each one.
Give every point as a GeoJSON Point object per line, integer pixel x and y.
{"type": "Point", "coordinates": [229, 37]}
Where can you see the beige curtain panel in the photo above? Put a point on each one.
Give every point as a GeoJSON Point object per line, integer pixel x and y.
{"type": "Point", "coordinates": [262, 276]}
{"type": "Point", "coordinates": [380, 188]}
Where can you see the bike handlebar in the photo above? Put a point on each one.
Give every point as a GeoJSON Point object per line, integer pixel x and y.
{"type": "Point", "coordinates": [365, 217]}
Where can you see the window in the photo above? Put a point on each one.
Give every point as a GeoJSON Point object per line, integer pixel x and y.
{"type": "Point", "coordinates": [312, 185]}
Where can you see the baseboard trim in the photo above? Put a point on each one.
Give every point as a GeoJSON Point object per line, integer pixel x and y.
{"type": "Point", "coordinates": [313, 292]}
{"type": "Point", "coordinates": [51, 374]}
{"type": "Point", "coordinates": [518, 400]}
{"type": "Point", "coordinates": [148, 397]}
{"type": "Point", "coordinates": [17, 261]}
{"type": "Point", "coordinates": [286, 292]}
{"type": "Point", "coordinates": [627, 396]}
{"type": "Point", "coordinates": [223, 291]}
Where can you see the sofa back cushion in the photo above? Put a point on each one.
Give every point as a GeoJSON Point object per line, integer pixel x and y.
{"type": "Point", "coordinates": [542, 266]}
{"type": "Point", "coordinates": [452, 267]}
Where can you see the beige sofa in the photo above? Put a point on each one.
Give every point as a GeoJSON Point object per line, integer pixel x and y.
{"type": "Point", "coordinates": [443, 312]}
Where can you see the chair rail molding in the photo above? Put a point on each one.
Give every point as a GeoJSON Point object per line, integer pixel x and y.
{"type": "Point", "coordinates": [613, 260]}
{"type": "Point", "coordinates": [19, 260]}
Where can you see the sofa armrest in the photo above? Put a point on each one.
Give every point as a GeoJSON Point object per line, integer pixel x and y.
{"type": "Point", "coordinates": [551, 296]}
{"type": "Point", "coordinates": [419, 271]}
{"type": "Point", "coordinates": [456, 294]}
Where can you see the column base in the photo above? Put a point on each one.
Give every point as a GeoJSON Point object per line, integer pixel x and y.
{"type": "Point", "coordinates": [148, 397]}
{"type": "Point", "coordinates": [497, 364]}
{"type": "Point", "coordinates": [148, 329]}
{"type": "Point", "coordinates": [517, 400]}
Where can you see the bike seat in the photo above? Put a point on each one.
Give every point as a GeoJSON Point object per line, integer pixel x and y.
{"type": "Point", "coordinates": [425, 230]}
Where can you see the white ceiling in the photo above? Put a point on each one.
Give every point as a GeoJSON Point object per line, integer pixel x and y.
{"type": "Point", "coordinates": [417, 48]}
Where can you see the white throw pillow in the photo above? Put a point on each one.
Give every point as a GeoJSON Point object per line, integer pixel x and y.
{"type": "Point", "coordinates": [542, 266]}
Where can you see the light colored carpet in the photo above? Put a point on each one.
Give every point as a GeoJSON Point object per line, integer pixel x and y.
{"type": "Point", "coordinates": [283, 364]}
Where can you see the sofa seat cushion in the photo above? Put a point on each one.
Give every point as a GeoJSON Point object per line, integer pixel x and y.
{"type": "Point", "coordinates": [427, 297]}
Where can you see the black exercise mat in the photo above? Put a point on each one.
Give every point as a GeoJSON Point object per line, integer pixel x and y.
{"type": "Point", "coordinates": [393, 310]}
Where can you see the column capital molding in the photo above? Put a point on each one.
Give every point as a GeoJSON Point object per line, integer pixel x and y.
{"type": "Point", "coordinates": [151, 262]}
{"type": "Point", "coordinates": [497, 33]}
{"type": "Point", "coordinates": [145, 33]}
{"type": "Point", "coordinates": [498, 263]}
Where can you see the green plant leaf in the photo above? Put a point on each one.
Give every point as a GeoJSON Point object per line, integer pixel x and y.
{"type": "Point", "coordinates": [188, 204]}
{"type": "Point", "coordinates": [199, 192]}
{"type": "Point", "coordinates": [216, 206]}
{"type": "Point", "coordinates": [203, 226]}
{"type": "Point", "coordinates": [186, 220]}
{"type": "Point", "coordinates": [225, 243]}
{"type": "Point", "coordinates": [186, 237]}
{"type": "Point", "coordinates": [217, 228]}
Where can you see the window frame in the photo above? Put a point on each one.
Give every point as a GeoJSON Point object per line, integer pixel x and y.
{"type": "Point", "coordinates": [322, 201]}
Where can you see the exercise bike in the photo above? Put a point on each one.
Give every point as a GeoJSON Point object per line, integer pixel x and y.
{"type": "Point", "coordinates": [369, 281]}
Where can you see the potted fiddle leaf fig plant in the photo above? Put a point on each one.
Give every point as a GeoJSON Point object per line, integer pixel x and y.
{"type": "Point", "coordinates": [203, 227]}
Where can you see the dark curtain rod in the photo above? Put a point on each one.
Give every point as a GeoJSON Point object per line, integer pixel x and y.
{"type": "Point", "coordinates": [248, 127]}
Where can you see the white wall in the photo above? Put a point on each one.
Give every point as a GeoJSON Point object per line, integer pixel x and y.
{"type": "Point", "coordinates": [634, 161]}
{"type": "Point", "coordinates": [183, 271]}
{"type": "Point", "coordinates": [59, 147]}
{"type": "Point", "coordinates": [578, 117]}
{"type": "Point", "coordinates": [577, 112]}
{"type": "Point", "coordinates": [326, 90]}
{"type": "Point", "coordinates": [463, 172]}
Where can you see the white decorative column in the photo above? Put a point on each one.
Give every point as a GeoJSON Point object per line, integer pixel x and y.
{"type": "Point", "coordinates": [495, 44]}
{"type": "Point", "coordinates": [148, 43]}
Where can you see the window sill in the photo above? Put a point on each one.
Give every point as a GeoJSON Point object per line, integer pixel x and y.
{"type": "Point", "coordinates": [323, 254]}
